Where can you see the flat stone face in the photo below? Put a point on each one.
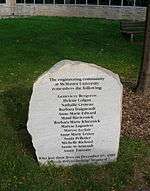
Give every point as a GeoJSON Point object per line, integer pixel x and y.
{"type": "Point", "coordinates": [75, 114]}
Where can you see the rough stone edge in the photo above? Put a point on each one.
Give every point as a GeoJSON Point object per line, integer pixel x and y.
{"type": "Point", "coordinates": [61, 63]}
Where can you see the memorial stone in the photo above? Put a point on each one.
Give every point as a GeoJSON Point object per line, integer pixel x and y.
{"type": "Point", "coordinates": [75, 114]}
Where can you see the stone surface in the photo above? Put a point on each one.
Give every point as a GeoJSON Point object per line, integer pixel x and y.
{"type": "Point", "coordinates": [100, 11]}
{"type": "Point", "coordinates": [75, 114]}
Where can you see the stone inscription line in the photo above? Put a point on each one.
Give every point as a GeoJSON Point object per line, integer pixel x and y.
{"type": "Point", "coordinates": [62, 84]}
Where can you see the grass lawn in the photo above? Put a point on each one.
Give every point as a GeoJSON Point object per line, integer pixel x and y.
{"type": "Point", "coordinates": [30, 46]}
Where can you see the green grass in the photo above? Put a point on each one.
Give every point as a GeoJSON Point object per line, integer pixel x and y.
{"type": "Point", "coordinates": [28, 47]}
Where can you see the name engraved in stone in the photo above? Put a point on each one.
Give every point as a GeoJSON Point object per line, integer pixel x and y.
{"type": "Point", "coordinates": [67, 96]}
{"type": "Point", "coordinates": [81, 137]}
{"type": "Point", "coordinates": [87, 95]}
{"type": "Point", "coordinates": [88, 113]}
{"type": "Point", "coordinates": [71, 150]}
{"type": "Point", "coordinates": [77, 100]}
{"type": "Point", "coordinates": [66, 109]}
{"type": "Point", "coordinates": [74, 122]}
{"type": "Point", "coordinates": [63, 113]}
{"type": "Point", "coordinates": [91, 121]}
{"type": "Point", "coordinates": [84, 100]}
{"type": "Point", "coordinates": [75, 113]}
{"type": "Point", "coordinates": [66, 146]}
{"type": "Point", "coordinates": [69, 100]}
{"type": "Point", "coordinates": [67, 126]}
{"type": "Point", "coordinates": [84, 129]}
{"type": "Point", "coordinates": [65, 134]}
{"type": "Point", "coordinates": [82, 150]}
{"type": "Point", "coordinates": [69, 138]}
{"type": "Point", "coordinates": [77, 95]}
{"type": "Point", "coordinates": [83, 117]}
{"type": "Point", "coordinates": [85, 104]}
{"type": "Point", "coordinates": [87, 133]}
{"type": "Point", "coordinates": [66, 118]}
{"type": "Point", "coordinates": [68, 104]}
{"type": "Point", "coordinates": [68, 142]}
{"type": "Point", "coordinates": [70, 130]}
{"type": "Point", "coordinates": [78, 117]}
{"type": "Point", "coordinates": [61, 122]}
{"type": "Point", "coordinates": [76, 104]}
{"type": "Point", "coordinates": [84, 108]}
{"type": "Point", "coordinates": [76, 125]}
{"type": "Point", "coordinates": [76, 134]}
{"type": "Point", "coordinates": [85, 141]}
{"type": "Point", "coordinates": [84, 125]}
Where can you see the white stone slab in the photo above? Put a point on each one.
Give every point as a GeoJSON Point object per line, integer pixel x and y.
{"type": "Point", "coordinates": [75, 114]}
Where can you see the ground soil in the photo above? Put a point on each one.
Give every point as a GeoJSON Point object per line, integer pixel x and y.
{"type": "Point", "coordinates": [136, 114]}
{"type": "Point", "coordinates": [136, 124]}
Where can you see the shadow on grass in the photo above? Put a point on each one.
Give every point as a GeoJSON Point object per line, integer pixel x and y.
{"type": "Point", "coordinates": [15, 103]}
